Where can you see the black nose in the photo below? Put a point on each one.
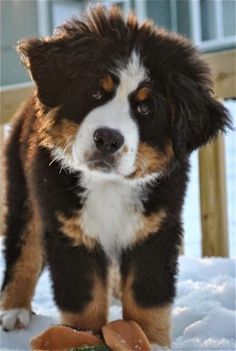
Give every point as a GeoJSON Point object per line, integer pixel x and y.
{"type": "Point", "coordinates": [107, 140]}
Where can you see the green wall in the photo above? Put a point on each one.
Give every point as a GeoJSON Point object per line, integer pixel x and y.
{"type": "Point", "coordinates": [18, 20]}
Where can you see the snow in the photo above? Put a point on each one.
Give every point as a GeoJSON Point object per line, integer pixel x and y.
{"type": "Point", "coordinates": [204, 311]}
{"type": "Point", "coordinates": [203, 314]}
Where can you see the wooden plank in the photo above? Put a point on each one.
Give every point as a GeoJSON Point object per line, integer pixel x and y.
{"type": "Point", "coordinates": [10, 99]}
{"type": "Point", "coordinates": [213, 199]}
{"type": "Point", "coordinates": [223, 67]}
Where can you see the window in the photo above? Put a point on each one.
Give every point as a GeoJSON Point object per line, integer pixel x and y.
{"type": "Point", "coordinates": [211, 24]}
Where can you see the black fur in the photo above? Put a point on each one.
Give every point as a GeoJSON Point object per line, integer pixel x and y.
{"type": "Point", "coordinates": [73, 270]}
{"type": "Point", "coordinates": [154, 266]}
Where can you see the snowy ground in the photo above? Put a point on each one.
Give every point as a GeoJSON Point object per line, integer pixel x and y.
{"type": "Point", "coordinates": [203, 314]}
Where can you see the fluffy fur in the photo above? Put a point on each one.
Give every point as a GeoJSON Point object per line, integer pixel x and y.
{"type": "Point", "coordinates": [97, 165]}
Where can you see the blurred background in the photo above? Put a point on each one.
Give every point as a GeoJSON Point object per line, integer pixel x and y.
{"type": "Point", "coordinates": [211, 24]}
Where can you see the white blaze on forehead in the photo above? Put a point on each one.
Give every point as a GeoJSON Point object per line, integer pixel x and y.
{"type": "Point", "coordinates": [131, 75]}
{"type": "Point", "coordinates": [114, 114]}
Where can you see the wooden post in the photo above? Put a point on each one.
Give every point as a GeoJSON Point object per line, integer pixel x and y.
{"type": "Point", "coordinates": [213, 199]}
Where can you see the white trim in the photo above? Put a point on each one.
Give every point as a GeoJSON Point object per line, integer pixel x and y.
{"type": "Point", "coordinates": [222, 44]}
{"type": "Point", "coordinates": [173, 15]}
{"type": "Point", "coordinates": [44, 20]}
{"type": "Point", "coordinates": [195, 21]}
{"type": "Point", "coordinates": [127, 4]}
{"type": "Point", "coordinates": [218, 9]}
{"type": "Point", "coordinates": [17, 86]}
{"type": "Point", "coordinates": [140, 7]}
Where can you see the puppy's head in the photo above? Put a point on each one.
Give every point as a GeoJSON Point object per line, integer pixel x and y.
{"type": "Point", "coordinates": [120, 99]}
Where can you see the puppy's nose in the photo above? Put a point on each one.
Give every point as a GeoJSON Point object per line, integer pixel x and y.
{"type": "Point", "coordinates": [108, 140]}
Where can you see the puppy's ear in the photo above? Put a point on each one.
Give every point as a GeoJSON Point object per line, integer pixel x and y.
{"type": "Point", "coordinates": [198, 116]}
{"type": "Point", "coordinates": [44, 59]}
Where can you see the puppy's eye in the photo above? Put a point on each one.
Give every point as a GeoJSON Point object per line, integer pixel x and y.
{"type": "Point", "coordinates": [97, 95]}
{"type": "Point", "coordinates": [144, 109]}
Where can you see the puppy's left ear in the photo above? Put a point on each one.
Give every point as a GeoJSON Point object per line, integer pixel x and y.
{"type": "Point", "coordinates": [44, 60]}
{"type": "Point", "coordinates": [198, 116]}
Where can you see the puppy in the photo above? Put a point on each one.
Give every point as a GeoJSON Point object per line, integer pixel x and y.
{"type": "Point", "coordinates": [97, 165]}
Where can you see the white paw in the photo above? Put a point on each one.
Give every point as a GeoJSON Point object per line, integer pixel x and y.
{"type": "Point", "coordinates": [16, 318]}
{"type": "Point", "coordinates": [156, 347]}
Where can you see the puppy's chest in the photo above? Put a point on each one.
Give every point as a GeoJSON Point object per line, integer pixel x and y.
{"type": "Point", "coordinates": [112, 214]}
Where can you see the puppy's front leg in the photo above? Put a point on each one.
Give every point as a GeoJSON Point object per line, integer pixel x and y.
{"type": "Point", "coordinates": [79, 275]}
{"type": "Point", "coordinates": [148, 278]}
{"type": "Point", "coordinates": [154, 320]}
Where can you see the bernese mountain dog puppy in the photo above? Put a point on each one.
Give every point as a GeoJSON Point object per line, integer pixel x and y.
{"type": "Point", "coordinates": [97, 165]}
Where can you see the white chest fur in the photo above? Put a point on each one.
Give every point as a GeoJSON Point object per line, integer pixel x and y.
{"type": "Point", "coordinates": [111, 214]}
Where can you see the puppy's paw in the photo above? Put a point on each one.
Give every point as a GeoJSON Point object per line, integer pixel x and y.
{"type": "Point", "coordinates": [17, 318]}
{"type": "Point", "coordinates": [156, 347]}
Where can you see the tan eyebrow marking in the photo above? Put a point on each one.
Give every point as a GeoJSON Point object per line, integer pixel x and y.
{"type": "Point", "coordinates": [142, 94]}
{"type": "Point", "coordinates": [107, 84]}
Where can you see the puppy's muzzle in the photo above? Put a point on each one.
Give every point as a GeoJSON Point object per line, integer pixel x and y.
{"type": "Point", "coordinates": [107, 140]}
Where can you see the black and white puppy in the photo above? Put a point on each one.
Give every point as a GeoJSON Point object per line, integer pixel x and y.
{"type": "Point", "coordinates": [97, 165]}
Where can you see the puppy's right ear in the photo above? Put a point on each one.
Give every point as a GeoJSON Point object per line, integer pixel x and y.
{"type": "Point", "coordinates": [44, 59]}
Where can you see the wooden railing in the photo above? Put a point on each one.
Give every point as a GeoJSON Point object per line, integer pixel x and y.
{"type": "Point", "coordinates": [211, 158]}
{"type": "Point", "coordinates": [212, 177]}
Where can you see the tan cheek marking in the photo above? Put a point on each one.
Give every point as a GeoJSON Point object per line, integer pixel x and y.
{"type": "Point", "coordinates": [150, 224]}
{"type": "Point", "coordinates": [71, 228]}
{"type": "Point", "coordinates": [107, 84]}
{"type": "Point", "coordinates": [19, 291]}
{"type": "Point", "coordinates": [94, 315]}
{"type": "Point", "coordinates": [142, 94]}
{"type": "Point", "coordinates": [150, 159]}
{"type": "Point", "coordinates": [155, 322]}
{"type": "Point", "coordinates": [57, 133]}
